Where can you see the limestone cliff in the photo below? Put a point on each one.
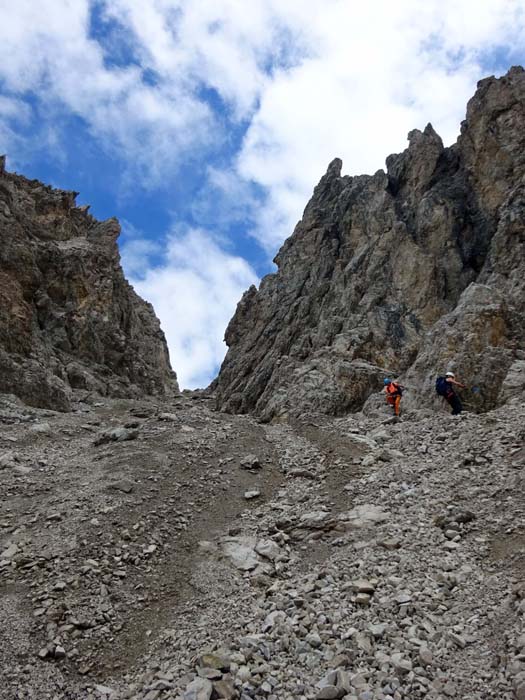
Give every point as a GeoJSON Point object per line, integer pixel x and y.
{"type": "Point", "coordinates": [410, 272]}
{"type": "Point", "coordinates": [68, 317]}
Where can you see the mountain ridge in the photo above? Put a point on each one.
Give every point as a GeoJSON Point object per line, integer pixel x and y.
{"type": "Point", "coordinates": [69, 320]}
{"type": "Point", "coordinates": [378, 261]}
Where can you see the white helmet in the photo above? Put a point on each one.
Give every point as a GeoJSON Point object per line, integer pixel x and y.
{"type": "Point", "coordinates": [450, 374]}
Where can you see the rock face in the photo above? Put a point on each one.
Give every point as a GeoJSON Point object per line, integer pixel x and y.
{"type": "Point", "coordinates": [68, 317]}
{"type": "Point", "coordinates": [409, 272]}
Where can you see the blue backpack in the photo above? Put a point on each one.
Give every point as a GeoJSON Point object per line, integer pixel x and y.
{"type": "Point", "coordinates": [441, 386]}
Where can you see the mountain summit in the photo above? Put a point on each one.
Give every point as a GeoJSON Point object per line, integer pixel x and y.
{"type": "Point", "coordinates": [410, 271]}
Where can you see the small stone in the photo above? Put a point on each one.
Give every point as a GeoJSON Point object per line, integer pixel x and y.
{"type": "Point", "coordinates": [10, 552]}
{"type": "Point", "coordinates": [425, 656]}
{"type": "Point", "coordinates": [314, 640]}
{"type": "Point", "coordinates": [216, 660]}
{"type": "Point", "coordinates": [268, 549]}
{"type": "Point", "coordinates": [199, 689]}
{"type": "Point", "coordinates": [120, 434]}
{"type": "Point", "coordinates": [41, 428]}
{"type": "Point", "coordinates": [103, 689]}
{"type": "Point", "coordinates": [362, 599]}
{"type": "Point", "coordinates": [250, 462]}
{"type": "Point", "coordinates": [250, 495]}
{"type": "Point", "coordinates": [212, 674]}
{"type": "Point", "coordinates": [401, 664]}
{"type": "Point", "coordinates": [123, 485]}
{"type": "Point", "coordinates": [458, 640]}
{"type": "Point", "coordinates": [363, 586]}
{"type": "Point", "coordinates": [358, 681]}
{"type": "Point", "coordinates": [403, 598]}
{"type": "Point", "coordinates": [224, 689]}
{"type": "Point", "coordinates": [364, 642]}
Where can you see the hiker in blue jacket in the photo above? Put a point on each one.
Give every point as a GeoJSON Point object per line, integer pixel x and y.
{"type": "Point", "coordinates": [445, 387]}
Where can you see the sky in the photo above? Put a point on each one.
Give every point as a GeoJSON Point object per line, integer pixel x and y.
{"type": "Point", "coordinates": [204, 126]}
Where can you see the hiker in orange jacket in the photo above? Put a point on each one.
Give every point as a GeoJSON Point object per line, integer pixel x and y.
{"type": "Point", "coordinates": [393, 392]}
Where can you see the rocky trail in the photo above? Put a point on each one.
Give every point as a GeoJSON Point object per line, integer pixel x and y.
{"type": "Point", "coordinates": [153, 551]}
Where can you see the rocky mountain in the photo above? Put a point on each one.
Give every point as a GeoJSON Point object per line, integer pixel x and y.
{"type": "Point", "coordinates": [153, 547]}
{"type": "Point", "coordinates": [409, 272]}
{"type": "Point", "coordinates": [68, 317]}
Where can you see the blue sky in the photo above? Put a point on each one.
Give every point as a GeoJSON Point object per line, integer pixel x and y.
{"type": "Point", "coordinates": [204, 127]}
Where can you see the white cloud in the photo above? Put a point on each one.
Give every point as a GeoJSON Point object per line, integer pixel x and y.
{"type": "Point", "coordinates": [137, 253]}
{"type": "Point", "coordinates": [377, 70]}
{"type": "Point", "coordinates": [46, 48]}
{"type": "Point", "coordinates": [194, 292]}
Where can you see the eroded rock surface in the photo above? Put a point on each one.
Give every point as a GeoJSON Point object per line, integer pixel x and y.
{"type": "Point", "coordinates": [68, 317]}
{"type": "Point", "coordinates": [416, 270]}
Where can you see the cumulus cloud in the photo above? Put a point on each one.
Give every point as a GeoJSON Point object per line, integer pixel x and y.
{"type": "Point", "coordinates": [46, 49]}
{"type": "Point", "coordinates": [194, 291]}
{"type": "Point", "coordinates": [138, 254]}
{"type": "Point", "coordinates": [376, 71]}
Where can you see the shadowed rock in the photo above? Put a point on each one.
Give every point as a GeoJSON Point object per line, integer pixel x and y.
{"type": "Point", "coordinates": [68, 317]}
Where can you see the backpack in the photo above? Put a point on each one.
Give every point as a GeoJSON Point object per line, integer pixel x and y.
{"type": "Point", "coordinates": [442, 386]}
{"type": "Point", "coordinates": [394, 388]}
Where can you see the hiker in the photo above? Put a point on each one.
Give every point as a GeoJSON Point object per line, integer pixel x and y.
{"type": "Point", "coordinates": [393, 392]}
{"type": "Point", "coordinates": [445, 388]}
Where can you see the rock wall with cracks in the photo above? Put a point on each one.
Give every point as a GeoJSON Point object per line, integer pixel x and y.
{"type": "Point", "coordinates": [69, 320]}
{"type": "Point", "coordinates": [407, 272]}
